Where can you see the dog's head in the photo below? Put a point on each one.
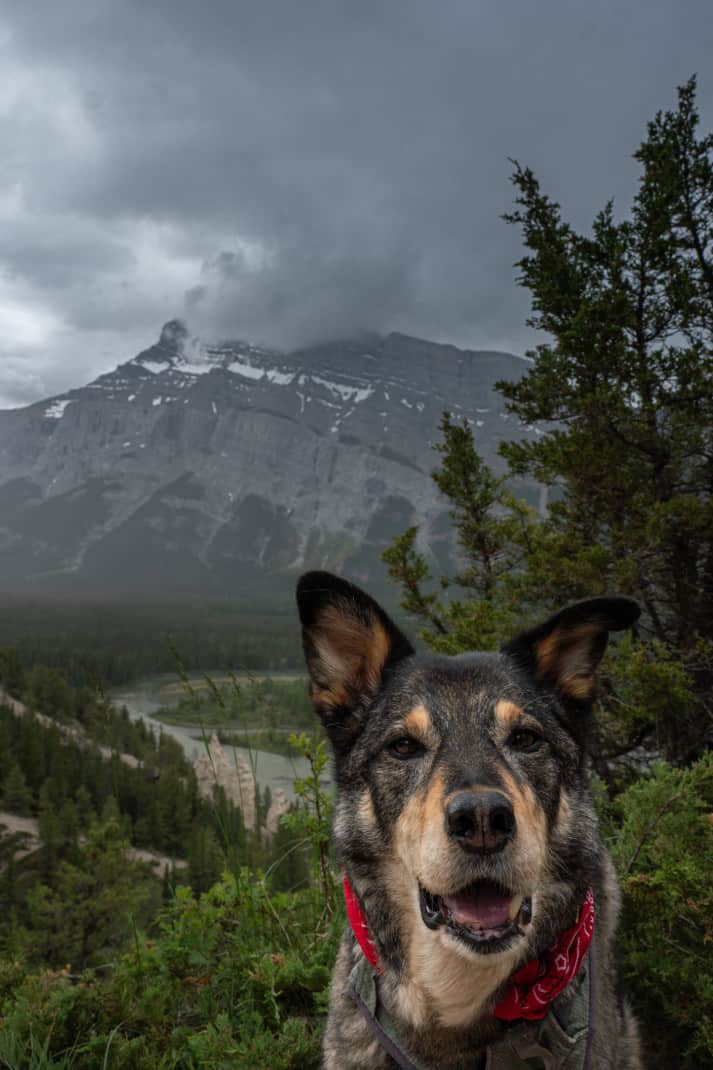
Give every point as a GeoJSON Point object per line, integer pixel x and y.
{"type": "Point", "coordinates": [463, 813]}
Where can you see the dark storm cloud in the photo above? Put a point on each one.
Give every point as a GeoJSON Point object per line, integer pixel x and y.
{"type": "Point", "coordinates": [289, 171]}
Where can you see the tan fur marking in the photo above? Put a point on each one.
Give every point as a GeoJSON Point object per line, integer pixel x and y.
{"type": "Point", "coordinates": [418, 722]}
{"type": "Point", "coordinates": [531, 825]}
{"type": "Point", "coordinates": [351, 656]}
{"type": "Point", "coordinates": [547, 653]}
{"type": "Point", "coordinates": [378, 652]}
{"type": "Point", "coordinates": [336, 696]}
{"type": "Point", "coordinates": [579, 687]}
{"type": "Point", "coordinates": [367, 814]}
{"type": "Point", "coordinates": [507, 713]}
{"type": "Point", "coordinates": [403, 891]}
{"type": "Point", "coordinates": [455, 987]}
{"type": "Point", "coordinates": [420, 833]}
{"type": "Point", "coordinates": [564, 658]}
{"type": "Point", "coordinates": [433, 804]}
{"type": "Point", "coordinates": [564, 814]}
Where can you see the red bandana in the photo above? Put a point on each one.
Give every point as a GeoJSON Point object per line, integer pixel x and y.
{"type": "Point", "coordinates": [531, 990]}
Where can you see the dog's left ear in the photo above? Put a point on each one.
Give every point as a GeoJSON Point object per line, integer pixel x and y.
{"type": "Point", "coordinates": [564, 651]}
{"type": "Point", "coordinates": [349, 641]}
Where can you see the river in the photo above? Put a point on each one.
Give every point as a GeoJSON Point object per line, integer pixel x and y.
{"type": "Point", "coordinates": [143, 697]}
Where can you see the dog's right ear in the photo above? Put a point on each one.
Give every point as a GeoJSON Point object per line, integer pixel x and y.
{"type": "Point", "coordinates": [349, 642]}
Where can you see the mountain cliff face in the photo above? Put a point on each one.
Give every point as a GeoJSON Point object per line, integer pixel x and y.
{"type": "Point", "coordinates": [221, 469]}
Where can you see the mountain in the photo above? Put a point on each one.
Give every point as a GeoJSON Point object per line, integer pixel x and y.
{"type": "Point", "coordinates": [223, 469]}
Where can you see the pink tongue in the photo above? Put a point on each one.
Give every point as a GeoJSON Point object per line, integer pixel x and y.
{"type": "Point", "coordinates": [482, 906]}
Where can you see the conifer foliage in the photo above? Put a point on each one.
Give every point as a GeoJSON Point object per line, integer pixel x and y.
{"type": "Point", "coordinates": [621, 394]}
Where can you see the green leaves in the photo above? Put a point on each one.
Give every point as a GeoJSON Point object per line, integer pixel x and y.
{"type": "Point", "coordinates": [663, 851]}
{"type": "Point", "coordinates": [236, 979]}
{"type": "Point", "coordinates": [310, 819]}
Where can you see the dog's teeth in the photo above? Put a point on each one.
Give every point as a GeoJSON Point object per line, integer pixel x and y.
{"type": "Point", "coordinates": [515, 905]}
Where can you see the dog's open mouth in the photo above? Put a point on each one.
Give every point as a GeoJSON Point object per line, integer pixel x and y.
{"type": "Point", "coordinates": [483, 915]}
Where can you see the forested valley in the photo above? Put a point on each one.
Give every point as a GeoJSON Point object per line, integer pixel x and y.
{"type": "Point", "coordinates": [104, 642]}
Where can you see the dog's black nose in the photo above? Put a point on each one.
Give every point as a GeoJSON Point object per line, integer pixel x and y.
{"type": "Point", "coordinates": [481, 821]}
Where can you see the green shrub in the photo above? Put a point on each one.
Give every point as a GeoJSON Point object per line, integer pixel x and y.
{"type": "Point", "coordinates": [664, 855]}
{"type": "Point", "coordinates": [237, 979]}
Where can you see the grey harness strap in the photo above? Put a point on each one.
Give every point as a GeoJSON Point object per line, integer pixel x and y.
{"type": "Point", "coordinates": [560, 1041]}
{"type": "Point", "coordinates": [361, 988]}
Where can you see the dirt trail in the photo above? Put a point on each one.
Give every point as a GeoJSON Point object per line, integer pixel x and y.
{"type": "Point", "coordinates": [28, 828]}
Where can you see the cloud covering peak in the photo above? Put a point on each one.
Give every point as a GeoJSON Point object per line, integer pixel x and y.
{"type": "Point", "coordinates": [293, 172]}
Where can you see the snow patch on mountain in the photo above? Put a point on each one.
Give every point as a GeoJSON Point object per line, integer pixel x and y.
{"type": "Point", "coordinates": [237, 367]}
{"type": "Point", "coordinates": [154, 366]}
{"type": "Point", "coordinates": [189, 367]}
{"type": "Point", "coordinates": [280, 378]}
{"type": "Point", "coordinates": [344, 391]}
{"type": "Point", "coordinates": [55, 411]}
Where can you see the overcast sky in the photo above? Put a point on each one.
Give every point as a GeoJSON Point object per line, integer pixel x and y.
{"type": "Point", "coordinates": [293, 170]}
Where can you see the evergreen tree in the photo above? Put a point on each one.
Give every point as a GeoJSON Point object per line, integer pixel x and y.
{"type": "Point", "coordinates": [622, 393]}
{"type": "Point", "coordinates": [32, 748]}
{"type": "Point", "coordinates": [47, 690]}
{"type": "Point", "coordinates": [16, 795]}
{"type": "Point", "coordinates": [205, 859]}
{"type": "Point", "coordinates": [6, 738]}
{"type": "Point", "coordinates": [50, 830]}
{"type": "Point", "coordinates": [168, 884]}
{"type": "Point", "coordinates": [12, 672]}
{"type": "Point", "coordinates": [91, 907]}
{"type": "Point", "coordinates": [84, 806]}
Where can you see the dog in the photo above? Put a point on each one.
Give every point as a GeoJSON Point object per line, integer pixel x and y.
{"type": "Point", "coordinates": [483, 905]}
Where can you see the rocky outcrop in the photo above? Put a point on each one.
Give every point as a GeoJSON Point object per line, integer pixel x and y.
{"type": "Point", "coordinates": [229, 772]}
{"type": "Point", "coordinates": [224, 469]}
{"type": "Point", "coordinates": [280, 805]}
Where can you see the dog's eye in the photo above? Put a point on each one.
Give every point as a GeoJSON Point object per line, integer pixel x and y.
{"type": "Point", "coordinates": [405, 747]}
{"type": "Point", "coordinates": [525, 739]}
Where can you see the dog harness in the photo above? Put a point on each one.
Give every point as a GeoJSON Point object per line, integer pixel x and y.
{"type": "Point", "coordinates": [549, 1032]}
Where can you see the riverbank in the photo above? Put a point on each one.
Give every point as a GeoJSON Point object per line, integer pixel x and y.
{"type": "Point", "coordinates": [272, 740]}
{"type": "Point", "coordinates": [154, 699]}
{"type": "Point", "coordinates": [255, 711]}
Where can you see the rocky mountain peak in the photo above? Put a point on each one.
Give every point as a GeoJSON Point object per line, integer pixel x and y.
{"type": "Point", "coordinates": [220, 468]}
{"type": "Point", "coordinates": [174, 336]}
